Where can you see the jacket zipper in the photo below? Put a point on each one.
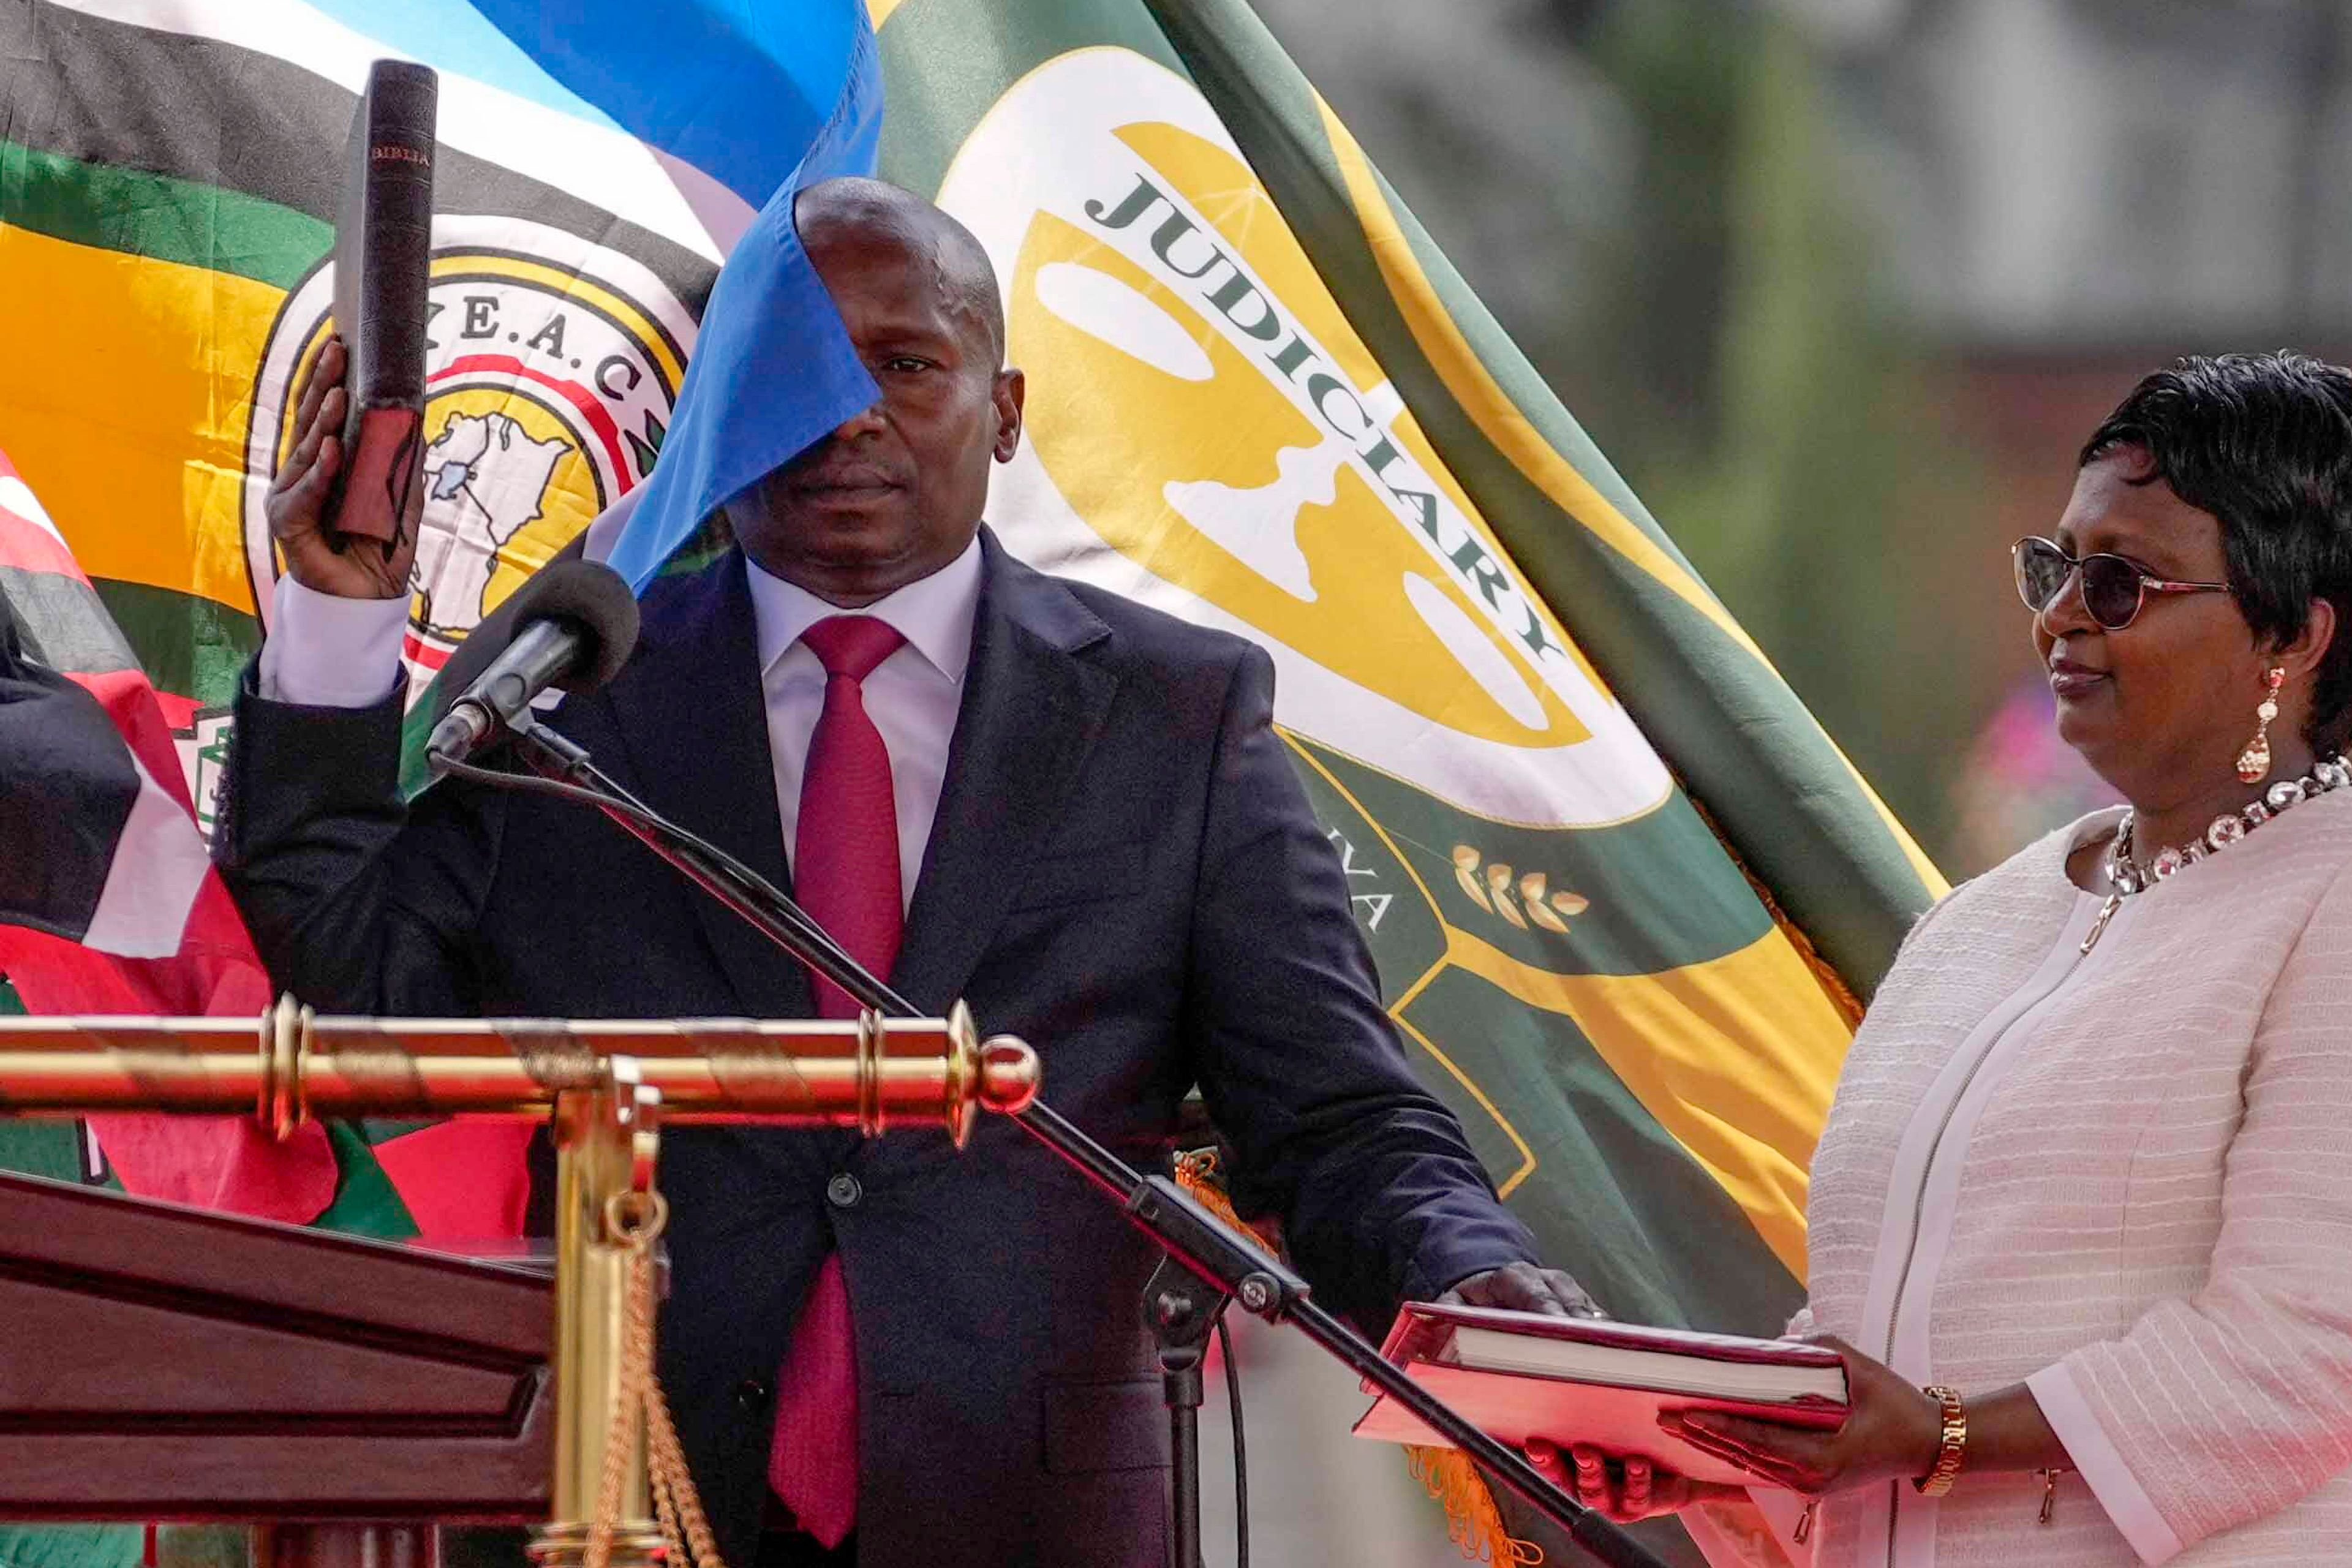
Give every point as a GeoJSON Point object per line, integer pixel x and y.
{"type": "Point", "coordinates": [1935, 1148]}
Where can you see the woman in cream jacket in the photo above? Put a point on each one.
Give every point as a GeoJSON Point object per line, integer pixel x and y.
{"type": "Point", "coordinates": [2081, 1219]}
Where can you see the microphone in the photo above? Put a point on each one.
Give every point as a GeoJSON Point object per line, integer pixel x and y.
{"type": "Point", "coordinates": [571, 628]}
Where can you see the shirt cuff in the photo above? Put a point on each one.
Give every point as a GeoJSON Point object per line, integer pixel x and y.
{"type": "Point", "coordinates": [324, 651]}
{"type": "Point", "coordinates": [2101, 1464]}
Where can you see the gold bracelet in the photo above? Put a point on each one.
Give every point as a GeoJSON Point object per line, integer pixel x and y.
{"type": "Point", "coordinates": [1938, 1481]}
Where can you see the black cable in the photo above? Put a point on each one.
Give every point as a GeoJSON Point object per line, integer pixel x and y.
{"type": "Point", "coordinates": [1241, 1449]}
{"type": "Point", "coordinates": [612, 799]}
{"type": "Point", "coordinates": [530, 783]}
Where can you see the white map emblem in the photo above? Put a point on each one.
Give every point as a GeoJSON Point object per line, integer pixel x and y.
{"type": "Point", "coordinates": [484, 477]}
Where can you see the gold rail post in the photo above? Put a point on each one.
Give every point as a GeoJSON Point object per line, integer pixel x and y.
{"type": "Point", "coordinates": [606, 1138]}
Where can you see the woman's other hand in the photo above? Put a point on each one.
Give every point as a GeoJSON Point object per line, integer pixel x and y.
{"type": "Point", "coordinates": [1895, 1432]}
{"type": "Point", "coordinates": [1624, 1490]}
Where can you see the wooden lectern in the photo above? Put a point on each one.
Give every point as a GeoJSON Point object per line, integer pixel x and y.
{"type": "Point", "coordinates": [164, 1362]}
{"type": "Point", "coordinates": [161, 1363]}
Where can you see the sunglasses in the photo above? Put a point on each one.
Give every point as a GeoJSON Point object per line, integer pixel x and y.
{"type": "Point", "coordinates": [2114, 589]}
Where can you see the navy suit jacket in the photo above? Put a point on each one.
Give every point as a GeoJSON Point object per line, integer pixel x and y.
{"type": "Point", "coordinates": [1124, 871]}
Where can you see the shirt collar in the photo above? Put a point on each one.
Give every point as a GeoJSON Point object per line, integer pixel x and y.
{"type": "Point", "coordinates": [934, 614]}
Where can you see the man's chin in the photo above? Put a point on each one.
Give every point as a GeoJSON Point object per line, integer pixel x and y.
{"type": "Point", "coordinates": [865, 521]}
{"type": "Point", "coordinates": [847, 560]}
{"type": "Point", "coordinates": [847, 528]}
{"type": "Point", "coordinates": [851, 544]}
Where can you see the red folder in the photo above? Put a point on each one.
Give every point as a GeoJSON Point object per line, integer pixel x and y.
{"type": "Point", "coordinates": [1584, 1380]}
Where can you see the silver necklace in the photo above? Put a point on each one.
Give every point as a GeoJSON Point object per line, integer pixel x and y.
{"type": "Point", "coordinates": [2125, 877]}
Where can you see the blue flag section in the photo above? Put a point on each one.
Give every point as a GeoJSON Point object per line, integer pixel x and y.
{"type": "Point", "coordinates": [773, 368]}
{"type": "Point", "coordinates": [738, 88]}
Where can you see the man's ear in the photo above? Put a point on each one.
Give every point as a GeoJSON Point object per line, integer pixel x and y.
{"type": "Point", "coordinates": [1011, 389]}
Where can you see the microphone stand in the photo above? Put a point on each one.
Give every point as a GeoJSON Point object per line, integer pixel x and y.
{"type": "Point", "coordinates": [1207, 1264]}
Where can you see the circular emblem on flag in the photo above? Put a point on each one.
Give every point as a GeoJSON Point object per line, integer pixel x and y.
{"type": "Point", "coordinates": [1206, 431]}
{"type": "Point", "coordinates": [552, 364]}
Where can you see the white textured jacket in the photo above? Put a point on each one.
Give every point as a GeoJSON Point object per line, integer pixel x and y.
{"type": "Point", "coordinates": [2125, 1179]}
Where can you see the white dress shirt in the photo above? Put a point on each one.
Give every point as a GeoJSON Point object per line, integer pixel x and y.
{"type": "Point", "coordinates": [328, 652]}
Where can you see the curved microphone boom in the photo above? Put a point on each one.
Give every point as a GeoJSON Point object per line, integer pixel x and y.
{"type": "Point", "coordinates": [571, 628]}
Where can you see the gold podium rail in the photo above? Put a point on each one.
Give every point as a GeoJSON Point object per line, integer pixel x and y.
{"type": "Point", "coordinates": [869, 1073]}
{"type": "Point", "coordinates": [608, 1086]}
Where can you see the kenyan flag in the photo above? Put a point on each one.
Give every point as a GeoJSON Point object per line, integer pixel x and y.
{"type": "Point", "coordinates": [108, 904]}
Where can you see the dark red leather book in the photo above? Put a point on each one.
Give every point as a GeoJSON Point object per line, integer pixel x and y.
{"type": "Point", "coordinates": [384, 247]}
{"type": "Point", "coordinates": [1582, 1380]}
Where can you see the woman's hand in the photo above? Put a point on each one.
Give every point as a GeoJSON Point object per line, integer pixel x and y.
{"type": "Point", "coordinates": [1625, 1489]}
{"type": "Point", "coordinates": [1896, 1431]}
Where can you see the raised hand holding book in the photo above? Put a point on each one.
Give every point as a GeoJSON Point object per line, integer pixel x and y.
{"type": "Point", "coordinates": [383, 243]}
{"type": "Point", "coordinates": [1592, 1380]}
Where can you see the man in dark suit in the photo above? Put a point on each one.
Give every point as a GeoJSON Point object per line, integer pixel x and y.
{"type": "Point", "coordinates": [1070, 811]}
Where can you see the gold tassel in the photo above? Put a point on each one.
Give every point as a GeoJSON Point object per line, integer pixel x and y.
{"type": "Point", "coordinates": [1197, 1173]}
{"type": "Point", "coordinates": [1473, 1522]}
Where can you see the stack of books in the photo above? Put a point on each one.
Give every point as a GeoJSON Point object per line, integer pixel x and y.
{"type": "Point", "coordinates": [1591, 1381]}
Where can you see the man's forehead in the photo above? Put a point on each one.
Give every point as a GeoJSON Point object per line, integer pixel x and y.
{"type": "Point", "coordinates": [868, 223]}
{"type": "Point", "coordinates": [895, 275]}
{"type": "Point", "coordinates": [896, 256]}
{"type": "Point", "coordinates": [860, 202]}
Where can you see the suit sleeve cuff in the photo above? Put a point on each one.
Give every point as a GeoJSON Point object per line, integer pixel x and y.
{"type": "Point", "coordinates": [2101, 1464]}
{"type": "Point", "coordinates": [323, 651]}
{"type": "Point", "coordinates": [1440, 1268]}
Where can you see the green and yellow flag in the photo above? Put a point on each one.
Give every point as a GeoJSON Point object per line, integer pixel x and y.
{"type": "Point", "coordinates": [1622, 887]}
{"type": "Point", "coordinates": [1623, 891]}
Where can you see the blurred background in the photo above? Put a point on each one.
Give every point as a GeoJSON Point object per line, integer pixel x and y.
{"type": "Point", "coordinates": [1841, 286]}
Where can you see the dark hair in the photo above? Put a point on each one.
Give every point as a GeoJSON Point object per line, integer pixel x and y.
{"type": "Point", "coordinates": [2264, 443]}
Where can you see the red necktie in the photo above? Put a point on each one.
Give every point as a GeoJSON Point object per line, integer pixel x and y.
{"type": "Point", "coordinates": [845, 874]}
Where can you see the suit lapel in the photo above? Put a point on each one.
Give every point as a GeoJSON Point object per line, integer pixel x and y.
{"type": "Point", "coordinates": [692, 713]}
{"type": "Point", "coordinates": [1031, 710]}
